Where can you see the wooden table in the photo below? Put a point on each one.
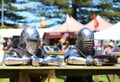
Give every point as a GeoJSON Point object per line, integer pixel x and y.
{"type": "Point", "coordinates": [63, 53]}
{"type": "Point", "coordinates": [56, 52]}
{"type": "Point", "coordinates": [23, 73]}
{"type": "Point", "coordinates": [116, 54]}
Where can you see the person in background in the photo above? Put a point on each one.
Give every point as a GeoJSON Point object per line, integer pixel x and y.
{"type": "Point", "coordinates": [8, 44]}
{"type": "Point", "coordinates": [99, 47]}
{"type": "Point", "coordinates": [110, 48]}
{"type": "Point", "coordinates": [81, 54]}
{"type": "Point", "coordinates": [108, 51]}
{"type": "Point", "coordinates": [55, 48]}
{"type": "Point", "coordinates": [105, 57]}
{"type": "Point", "coordinates": [66, 46]}
{"type": "Point", "coordinates": [102, 44]}
{"type": "Point", "coordinates": [1, 49]}
{"type": "Point", "coordinates": [29, 52]}
{"type": "Point", "coordinates": [43, 22]}
{"type": "Point", "coordinates": [59, 45]}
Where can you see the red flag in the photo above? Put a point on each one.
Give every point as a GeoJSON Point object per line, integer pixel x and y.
{"type": "Point", "coordinates": [96, 23]}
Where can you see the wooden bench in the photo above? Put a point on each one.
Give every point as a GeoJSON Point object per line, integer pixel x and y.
{"type": "Point", "coordinates": [116, 54]}
{"type": "Point", "coordinates": [55, 53]}
{"type": "Point", "coordinates": [23, 73]}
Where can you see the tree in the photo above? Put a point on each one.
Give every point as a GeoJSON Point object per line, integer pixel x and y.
{"type": "Point", "coordinates": [10, 15]}
{"type": "Point", "coordinates": [71, 7]}
{"type": "Point", "coordinates": [110, 12]}
{"type": "Point", "coordinates": [83, 10]}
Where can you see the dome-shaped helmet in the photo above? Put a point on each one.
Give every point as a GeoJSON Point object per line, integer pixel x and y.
{"type": "Point", "coordinates": [85, 40]}
{"type": "Point", "coordinates": [30, 40]}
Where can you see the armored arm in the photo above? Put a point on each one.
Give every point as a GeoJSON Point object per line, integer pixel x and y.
{"type": "Point", "coordinates": [52, 60]}
{"type": "Point", "coordinates": [13, 59]}
{"type": "Point", "coordinates": [73, 57]}
{"type": "Point", "coordinates": [42, 58]}
{"type": "Point", "coordinates": [75, 60]}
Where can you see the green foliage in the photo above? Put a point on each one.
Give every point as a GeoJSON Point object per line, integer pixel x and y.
{"type": "Point", "coordinates": [7, 1]}
{"type": "Point", "coordinates": [4, 80]}
{"type": "Point", "coordinates": [56, 2]}
{"type": "Point", "coordinates": [81, 10]}
{"type": "Point", "coordinates": [9, 13]}
{"type": "Point", "coordinates": [2, 27]}
{"type": "Point", "coordinates": [62, 2]}
{"type": "Point", "coordinates": [52, 1]}
{"type": "Point", "coordinates": [11, 8]}
{"type": "Point", "coordinates": [67, 11]}
{"type": "Point", "coordinates": [109, 12]}
{"type": "Point", "coordinates": [81, 3]}
{"type": "Point", "coordinates": [112, 16]}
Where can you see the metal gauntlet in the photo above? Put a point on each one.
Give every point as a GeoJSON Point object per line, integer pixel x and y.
{"type": "Point", "coordinates": [76, 60]}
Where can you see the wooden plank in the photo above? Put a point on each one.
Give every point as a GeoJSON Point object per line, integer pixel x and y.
{"type": "Point", "coordinates": [111, 77]}
{"type": "Point", "coordinates": [96, 78]}
{"type": "Point", "coordinates": [53, 71]}
{"type": "Point", "coordinates": [62, 53]}
{"type": "Point", "coordinates": [51, 76]}
{"type": "Point", "coordinates": [66, 67]}
{"type": "Point", "coordinates": [116, 54]}
{"type": "Point", "coordinates": [55, 53]}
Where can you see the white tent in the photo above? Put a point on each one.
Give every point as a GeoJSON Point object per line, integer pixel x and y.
{"type": "Point", "coordinates": [43, 30]}
{"type": "Point", "coordinates": [112, 32]}
{"type": "Point", "coordinates": [103, 24]}
{"type": "Point", "coordinates": [106, 36]}
{"type": "Point", "coordinates": [17, 32]}
{"type": "Point", "coordinates": [10, 32]}
{"type": "Point", "coordinates": [115, 29]}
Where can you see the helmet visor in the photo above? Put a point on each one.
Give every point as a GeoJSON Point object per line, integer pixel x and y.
{"type": "Point", "coordinates": [89, 45]}
{"type": "Point", "coordinates": [32, 47]}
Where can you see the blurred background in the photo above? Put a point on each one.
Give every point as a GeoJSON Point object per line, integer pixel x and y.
{"type": "Point", "coordinates": [20, 13]}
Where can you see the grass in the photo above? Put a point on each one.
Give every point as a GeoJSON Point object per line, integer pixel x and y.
{"type": "Point", "coordinates": [102, 78]}
{"type": "Point", "coordinates": [4, 80]}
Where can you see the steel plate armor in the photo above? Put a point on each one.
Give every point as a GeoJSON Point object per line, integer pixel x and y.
{"type": "Point", "coordinates": [81, 54]}
{"type": "Point", "coordinates": [29, 51]}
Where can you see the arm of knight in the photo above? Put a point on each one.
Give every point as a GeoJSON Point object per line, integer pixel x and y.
{"type": "Point", "coordinates": [73, 57]}
{"type": "Point", "coordinates": [13, 59]}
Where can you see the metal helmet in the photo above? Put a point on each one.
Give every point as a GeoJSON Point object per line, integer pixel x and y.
{"type": "Point", "coordinates": [30, 40]}
{"type": "Point", "coordinates": [85, 40]}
